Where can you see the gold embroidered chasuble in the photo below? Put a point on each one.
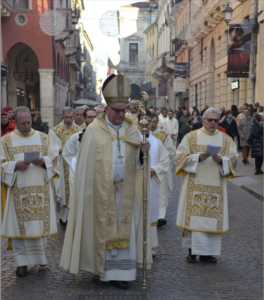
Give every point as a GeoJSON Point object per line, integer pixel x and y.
{"type": "Point", "coordinates": [92, 226]}
{"type": "Point", "coordinates": [60, 134]}
{"type": "Point", "coordinates": [28, 205]}
{"type": "Point", "coordinates": [203, 202]}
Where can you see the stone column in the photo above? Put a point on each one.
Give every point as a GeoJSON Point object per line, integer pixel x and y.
{"type": "Point", "coordinates": [46, 96]}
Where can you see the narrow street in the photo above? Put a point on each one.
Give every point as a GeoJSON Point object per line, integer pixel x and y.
{"type": "Point", "coordinates": [237, 275]}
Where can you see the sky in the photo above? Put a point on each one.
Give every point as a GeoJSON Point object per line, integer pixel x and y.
{"type": "Point", "coordinates": [103, 44]}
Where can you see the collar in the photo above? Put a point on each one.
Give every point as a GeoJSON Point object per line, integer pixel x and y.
{"type": "Point", "coordinates": [64, 125]}
{"type": "Point", "coordinates": [209, 133]}
{"type": "Point", "coordinates": [157, 130]}
{"type": "Point", "coordinates": [17, 132]}
{"type": "Point", "coordinates": [112, 125]}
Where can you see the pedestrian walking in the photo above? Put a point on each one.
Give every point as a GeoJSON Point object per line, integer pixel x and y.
{"type": "Point", "coordinates": [229, 123]}
{"type": "Point", "coordinates": [27, 192]}
{"type": "Point", "coordinates": [60, 135]}
{"type": "Point", "coordinates": [195, 118]}
{"type": "Point", "coordinates": [6, 124]}
{"type": "Point", "coordinates": [105, 222]}
{"type": "Point", "coordinates": [203, 203]}
{"type": "Point", "coordinates": [244, 127]}
{"type": "Point", "coordinates": [234, 110]}
{"type": "Point", "coordinates": [257, 143]}
{"type": "Point", "coordinates": [184, 127]}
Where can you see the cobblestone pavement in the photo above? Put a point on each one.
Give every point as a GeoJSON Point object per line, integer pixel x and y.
{"type": "Point", "coordinates": [237, 275]}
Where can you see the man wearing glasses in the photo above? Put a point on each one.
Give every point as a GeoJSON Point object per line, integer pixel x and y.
{"type": "Point", "coordinates": [133, 111]}
{"type": "Point", "coordinates": [102, 231]}
{"type": "Point", "coordinates": [203, 203]}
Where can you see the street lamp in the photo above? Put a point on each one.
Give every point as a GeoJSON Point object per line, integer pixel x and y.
{"type": "Point", "coordinates": [26, 63]}
{"type": "Point", "coordinates": [228, 13]}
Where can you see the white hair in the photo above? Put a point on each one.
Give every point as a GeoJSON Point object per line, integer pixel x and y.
{"type": "Point", "coordinates": [67, 109]}
{"type": "Point", "coordinates": [20, 109]}
{"type": "Point", "coordinates": [211, 110]}
{"type": "Point", "coordinates": [79, 108]}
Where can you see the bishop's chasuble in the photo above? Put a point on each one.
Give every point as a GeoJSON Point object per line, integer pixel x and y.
{"type": "Point", "coordinates": [203, 203]}
{"type": "Point", "coordinates": [104, 231]}
{"type": "Point", "coordinates": [166, 187]}
{"type": "Point", "coordinates": [28, 211]}
{"type": "Point", "coordinates": [60, 134]}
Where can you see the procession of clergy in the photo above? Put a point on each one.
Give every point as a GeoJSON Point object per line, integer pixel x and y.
{"type": "Point", "coordinates": [91, 173]}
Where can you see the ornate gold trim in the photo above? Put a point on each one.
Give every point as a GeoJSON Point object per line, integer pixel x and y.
{"type": "Point", "coordinates": [201, 230]}
{"type": "Point", "coordinates": [28, 237]}
{"type": "Point", "coordinates": [208, 133]}
{"type": "Point", "coordinates": [25, 136]}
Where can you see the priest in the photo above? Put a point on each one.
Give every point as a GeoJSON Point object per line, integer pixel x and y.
{"type": "Point", "coordinates": [79, 119]}
{"type": "Point", "coordinates": [71, 147]}
{"type": "Point", "coordinates": [133, 106]}
{"type": "Point", "coordinates": [166, 187]}
{"type": "Point", "coordinates": [203, 203]}
{"type": "Point", "coordinates": [27, 200]}
{"type": "Point", "coordinates": [60, 135]}
{"type": "Point", "coordinates": [104, 221]}
{"type": "Point", "coordinates": [172, 126]}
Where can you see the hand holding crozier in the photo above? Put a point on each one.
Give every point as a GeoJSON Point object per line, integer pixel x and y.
{"type": "Point", "coordinates": [144, 146]}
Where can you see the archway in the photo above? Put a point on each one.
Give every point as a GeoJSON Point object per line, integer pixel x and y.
{"type": "Point", "coordinates": [23, 87]}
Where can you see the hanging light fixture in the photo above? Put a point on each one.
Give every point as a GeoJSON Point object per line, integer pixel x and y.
{"type": "Point", "coordinates": [26, 61]}
{"type": "Point", "coordinates": [228, 13]}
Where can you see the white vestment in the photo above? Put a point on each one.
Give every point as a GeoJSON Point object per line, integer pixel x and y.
{"type": "Point", "coordinates": [162, 124]}
{"type": "Point", "coordinates": [121, 263]}
{"type": "Point", "coordinates": [71, 147]}
{"type": "Point", "coordinates": [203, 203]}
{"type": "Point", "coordinates": [172, 128]}
{"type": "Point", "coordinates": [132, 117]}
{"type": "Point", "coordinates": [159, 161]}
{"type": "Point", "coordinates": [27, 196]}
{"type": "Point", "coordinates": [166, 187]}
{"type": "Point", "coordinates": [60, 134]}
{"type": "Point", "coordinates": [83, 125]}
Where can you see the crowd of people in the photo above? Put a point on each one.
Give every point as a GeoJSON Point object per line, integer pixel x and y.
{"type": "Point", "coordinates": [89, 169]}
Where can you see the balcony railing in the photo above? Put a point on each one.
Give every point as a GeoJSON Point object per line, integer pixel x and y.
{"type": "Point", "coordinates": [149, 86]}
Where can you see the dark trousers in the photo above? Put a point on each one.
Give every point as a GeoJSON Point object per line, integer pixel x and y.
{"type": "Point", "coordinates": [258, 162]}
{"type": "Point", "coordinates": [238, 144]}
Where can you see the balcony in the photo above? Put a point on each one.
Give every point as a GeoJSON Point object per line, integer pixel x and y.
{"type": "Point", "coordinates": [148, 87]}
{"type": "Point", "coordinates": [75, 62]}
{"type": "Point", "coordinates": [6, 7]}
{"type": "Point", "coordinates": [65, 34]}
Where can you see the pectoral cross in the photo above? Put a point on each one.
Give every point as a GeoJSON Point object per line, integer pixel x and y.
{"type": "Point", "coordinates": [120, 156]}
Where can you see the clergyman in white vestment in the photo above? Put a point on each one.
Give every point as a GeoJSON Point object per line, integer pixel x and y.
{"type": "Point", "coordinates": [60, 135]}
{"type": "Point", "coordinates": [172, 125]}
{"type": "Point", "coordinates": [28, 210]}
{"type": "Point", "coordinates": [105, 220]}
{"type": "Point", "coordinates": [166, 186]}
{"type": "Point", "coordinates": [133, 105]}
{"type": "Point", "coordinates": [203, 204]}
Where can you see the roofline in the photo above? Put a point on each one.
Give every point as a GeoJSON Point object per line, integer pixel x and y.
{"type": "Point", "coordinates": [152, 25]}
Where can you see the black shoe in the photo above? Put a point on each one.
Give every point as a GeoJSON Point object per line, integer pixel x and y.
{"type": "Point", "coordinates": [42, 265]}
{"type": "Point", "coordinates": [244, 161]}
{"type": "Point", "coordinates": [258, 172]}
{"type": "Point", "coordinates": [96, 278]}
{"type": "Point", "coordinates": [247, 162]}
{"type": "Point", "coordinates": [161, 222]}
{"type": "Point", "coordinates": [191, 258]}
{"type": "Point", "coordinates": [122, 285]}
{"type": "Point", "coordinates": [21, 271]}
{"type": "Point", "coordinates": [63, 223]}
{"type": "Point", "coordinates": [208, 259]}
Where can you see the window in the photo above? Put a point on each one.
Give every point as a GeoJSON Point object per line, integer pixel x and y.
{"type": "Point", "coordinates": [20, 97]}
{"type": "Point", "coordinates": [133, 52]}
{"type": "Point", "coordinates": [152, 51]}
{"type": "Point", "coordinates": [20, 4]}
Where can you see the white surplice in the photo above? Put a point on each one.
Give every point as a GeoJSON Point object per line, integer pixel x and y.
{"type": "Point", "coordinates": [203, 203]}
{"type": "Point", "coordinates": [172, 128]}
{"type": "Point", "coordinates": [71, 147]}
{"type": "Point", "coordinates": [162, 124]}
{"type": "Point", "coordinates": [160, 162]}
{"type": "Point", "coordinates": [166, 186]}
{"type": "Point", "coordinates": [60, 134]}
{"type": "Point", "coordinates": [29, 213]}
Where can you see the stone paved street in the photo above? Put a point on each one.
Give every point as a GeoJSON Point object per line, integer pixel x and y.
{"type": "Point", "coordinates": [237, 275]}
